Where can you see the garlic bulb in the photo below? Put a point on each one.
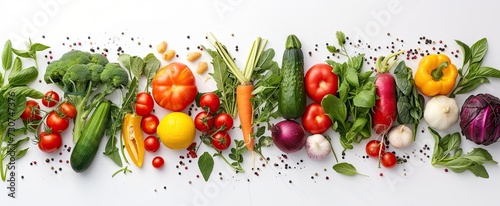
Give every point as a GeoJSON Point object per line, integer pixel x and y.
{"type": "Point", "coordinates": [400, 136]}
{"type": "Point", "coordinates": [317, 146]}
{"type": "Point", "coordinates": [441, 112]}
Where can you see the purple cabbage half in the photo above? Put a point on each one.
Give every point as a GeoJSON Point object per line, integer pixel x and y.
{"type": "Point", "coordinates": [480, 119]}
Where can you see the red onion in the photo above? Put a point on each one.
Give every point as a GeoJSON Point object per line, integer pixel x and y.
{"type": "Point", "coordinates": [289, 136]}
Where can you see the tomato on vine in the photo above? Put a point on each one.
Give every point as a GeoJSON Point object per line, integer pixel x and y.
{"type": "Point", "coordinates": [50, 99]}
{"type": "Point", "coordinates": [31, 111]}
{"type": "Point", "coordinates": [223, 121]}
{"type": "Point", "coordinates": [67, 110]}
{"type": "Point", "coordinates": [374, 148]}
{"type": "Point", "coordinates": [221, 141]}
{"type": "Point", "coordinates": [56, 123]}
{"type": "Point", "coordinates": [210, 102]}
{"type": "Point", "coordinates": [203, 121]}
{"type": "Point", "coordinates": [49, 142]}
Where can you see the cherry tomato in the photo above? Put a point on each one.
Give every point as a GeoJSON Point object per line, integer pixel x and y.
{"type": "Point", "coordinates": [50, 99]}
{"type": "Point", "coordinates": [373, 148]}
{"type": "Point", "coordinates": [144, 104]}
{"type": "Point", "coordinates": [56, 123]}
{"type": "Point", "coordinates": [210, 102]}
{"type": "Point", "coordinates": [221, 140]}
{"type": "Point", "coordinates": [174, 87]}
{"type": "Point", "coordinates": [151, 144]}
{"type": "Point", "coordinates": [315, 120]}
{"type": "Point", "coordinates": [149, 123]}
{"type": "Point", "coordinates": [320, 81]}
{"type": "Point", "coordinates": [31, 112]}
{"type": "Point", "coordinates": [158, 162]}
{"type": "Point", "coordinates": [67, 110]}
{"type": "Point", "coordinates": [223, 120]}
{"type": "Point", "coordinates": [50, 142]}
{"type": "Point", "coordinates": [203, 121]}
{"type": "Point", "coordinates": [388, 160]}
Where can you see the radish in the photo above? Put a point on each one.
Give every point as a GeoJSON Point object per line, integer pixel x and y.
{"type": "Point", "coordinates": [385, 109]}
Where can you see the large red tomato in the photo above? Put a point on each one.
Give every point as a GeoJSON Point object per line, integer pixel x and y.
{"type": "Point", "coordinates": [174, 87]}
{"type": "Point", "coordinates": [315, 120]}
{"type": "Point", "coordinates": [320, 81]}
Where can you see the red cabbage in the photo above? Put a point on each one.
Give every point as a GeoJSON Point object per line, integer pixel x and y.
{"type": "Point", "coordinates": [480, 119]}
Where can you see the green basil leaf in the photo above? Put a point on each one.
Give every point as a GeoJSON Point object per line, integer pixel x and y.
{"type": "Point", "coordinates": [16, 67]}
{"type": "Point", "coordinates": [21, 153]}
{"type": "Point", "coordinates": [365, 75]}
{"type": "Point", "coordinates": [472, 84]}
{"type": "Point", "coordinates": [479, 170]}
{"type": "Point", "coordinates": [23, 77]}
{"type": "Point", "coordinates": [478, 50]}
{"type": "Point", "coordinates": [480, 156]}
{"type": "Point", "coordinates": [454, 142]}
{"type": "Point", "coordinates": [346, 169]}
{"type": "Point", "coordinates": [4, 108]}
{"type": "Point", "coordinates": [20, 106]}
{"type": "Point", "coordinates": [344, 91]}
{"type": "Point", "coordinates": [351, 77]}
{"type": "Point", "coordinates": [334, 108]}
{"type": "Point", "coordinates": [38, 47]}
{"type": "Point", "coordinates": [488, 72]}
{"type": "Point", "coordinates": [365, 99]}
{"type": "Point", "coordinates": [358, 124]}
{"type": "Point", "coordinates": [338, 68]}
{"type": "Point", "coordinates": [137, 66]}
{"type": "Point", "coordinates": [24, 91]}
{"type": "Point", "coordinates": [206, 165]}
{"type": "Point", "coordinates": [152, 66]}
{"type": "Point", "coordinates": [466, 51]}
{"type": "Point", "coordinates": [22, 53]}
{"type": "Point", "coordinates": [459, 165]}
{"type": "Point", "coordinates": [457, 153]}
{"type": "Point", "coordinates": [7, 55]}
{"type": "Point", "coordinates": [340, 38]}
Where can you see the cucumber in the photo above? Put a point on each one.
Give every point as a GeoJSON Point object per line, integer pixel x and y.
{"type": "Point", "coordinates": [292, 96]}
{"type": "Point", "coordinates": [87, 145]}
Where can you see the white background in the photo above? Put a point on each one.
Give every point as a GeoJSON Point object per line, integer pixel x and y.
{"type": "Point", "coordinates": [413, 183]}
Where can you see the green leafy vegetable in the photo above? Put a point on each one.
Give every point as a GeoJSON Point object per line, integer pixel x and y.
{"type": "Point", "coordinates": [206, 165]}
{"type": "Point", "coordinates": [235, 155]}
{"type": "Point", "coordinates": [346, 169]}
{"type": "Point", "coordinates": [410, 104]}
{"type": "Point", "coordinates": [472, 74]}
{"type": "Point", "coordinates": [447, 153]}
{"type": "Point", "coordinates": [350, 111]}
{"type": "Point", "coordinates": [7, 55]}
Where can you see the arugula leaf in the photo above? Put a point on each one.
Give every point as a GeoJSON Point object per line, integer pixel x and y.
{"type": "Point", "coordinates": [346, 169]}
{"type": "Point", "coordinates": [7, 55]}
{"type": "Point", "coordinates": [206, 165]}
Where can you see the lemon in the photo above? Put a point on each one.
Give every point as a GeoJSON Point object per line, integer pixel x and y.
{"type": "Point", "coordinates": [176, 130]}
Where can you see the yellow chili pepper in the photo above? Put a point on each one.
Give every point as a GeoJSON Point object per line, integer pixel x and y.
{"type": "Point", "coordinates": [436, 75]}
{"type": "Point", "coordinates": [132, 137]}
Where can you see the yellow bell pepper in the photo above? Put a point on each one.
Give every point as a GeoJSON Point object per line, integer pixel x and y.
{"type": "Point", "coordinates": [436, 75]}
{"type": "Point", "coordinates": [132, 138]}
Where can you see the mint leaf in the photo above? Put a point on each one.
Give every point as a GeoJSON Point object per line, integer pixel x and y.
{"type": "Point", "coordinates": [206, 165]}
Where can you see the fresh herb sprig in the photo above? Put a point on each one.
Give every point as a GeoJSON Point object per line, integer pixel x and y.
{"type": "Point", "coordinates": [410, 104]}
{"type": "Point", "coordinates": [356, 97]}
{"type": "Point", "coordinates": [473, 74]}
{"type": "Point", "coordinates": [447, 153]}
{"type": "Point", "coordinates": [13, 96]}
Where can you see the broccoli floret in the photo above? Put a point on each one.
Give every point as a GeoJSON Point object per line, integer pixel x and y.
{"type": "Point", "coordinates": [57, 69]}
{"type": "Point", "coordinates": [114, 77]}
{"type": "Point", "coordinates": [99, 59]}
{"type": "Point", "coordinates": [95, 73]}
{"type": "Point", "coordinates": [77, 79]}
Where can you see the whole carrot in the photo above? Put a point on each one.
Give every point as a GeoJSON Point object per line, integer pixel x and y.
{"type": "Point", "coordinates": [245, 88]}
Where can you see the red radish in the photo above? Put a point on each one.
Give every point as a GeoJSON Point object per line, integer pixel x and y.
{"type": "Point", "coordinates": [385, 109]}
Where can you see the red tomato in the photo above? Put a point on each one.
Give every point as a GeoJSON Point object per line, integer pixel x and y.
{"type": "Point", "coordinates": [174, 87]}
{"type": "Point", "coordinates": [320, 81]}
{"type": "Point", "coordinates": [210, 102]}
{"type": "Point", "coordinates": [67, 110]}
{"type": "Point", "coordinates": [56, 123]}
{"type": "Point", "coordinates": [203, 121]}
{"type": "Point", "coordinates": [315, 120]}
{"type": "Point", "coordinates": [31, 112]}
{"type": "Point", "coordinates": [221, 141]}
{"type": "Point", "coordinates": [151, 144]}
{"type": "Point", "coordinates": [224, 121]}
{"type": "Point", "coordinates": [50, 99]}
{"type": "Point", "coordinates": [49, 142]}
{"type": "Point", "coordinates": [158, 162]}
{"type": "Point", "coordinates": [373, 148]}
{"type": "Point", "coordinates": [144, 104]}
{"type": "Point", "coordinates": [388, 160]}
{"type": "Point", "coordinates": [149, 123]}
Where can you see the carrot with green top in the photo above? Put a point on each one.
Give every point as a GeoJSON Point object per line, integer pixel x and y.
{"type": "Point", "coordinates": [245, 88]}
